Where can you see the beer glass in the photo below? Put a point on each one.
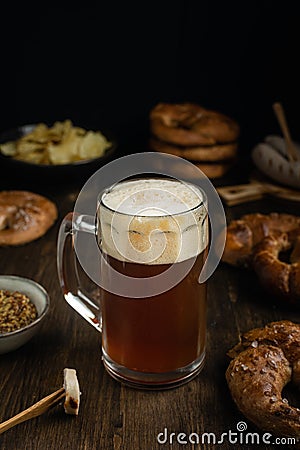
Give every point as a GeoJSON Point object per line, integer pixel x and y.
{"type": "Point", "coordinates": [152, 238]}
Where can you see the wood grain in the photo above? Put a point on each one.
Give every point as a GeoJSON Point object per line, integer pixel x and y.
{"type": "Point", "coordinates": [112, 416]}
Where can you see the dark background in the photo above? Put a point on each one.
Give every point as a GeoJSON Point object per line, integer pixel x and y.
{"type": "Point", "coordinates": [106, 66]}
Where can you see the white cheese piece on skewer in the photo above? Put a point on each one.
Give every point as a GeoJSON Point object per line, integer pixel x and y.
{"type": "Point", "coordinates": [71, 386]}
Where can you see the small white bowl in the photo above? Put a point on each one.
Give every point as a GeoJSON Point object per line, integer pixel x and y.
{"type": "Point", "coordinates": [39, 296]}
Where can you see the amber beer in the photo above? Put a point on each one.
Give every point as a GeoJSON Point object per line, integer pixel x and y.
{"type": "Point", "coordinates": [158, 224]}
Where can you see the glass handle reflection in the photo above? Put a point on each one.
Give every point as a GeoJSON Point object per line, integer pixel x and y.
{"type": "Point", "coordinates": [68, 268]}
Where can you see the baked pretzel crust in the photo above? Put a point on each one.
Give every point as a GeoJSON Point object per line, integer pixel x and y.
{"type": "Point", "coordinates": [189, 124]}
{"type": "Point", "coordinates": [263, 363]}
{"type": "Point", "coordinates": [24, 217]}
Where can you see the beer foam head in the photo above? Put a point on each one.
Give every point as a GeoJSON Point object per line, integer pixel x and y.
{"type": "Point", "coordinates": [153, 221]}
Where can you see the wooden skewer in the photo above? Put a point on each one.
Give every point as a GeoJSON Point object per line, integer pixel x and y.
{"type": "Point", "coordinates": [33, 411]}
{"type": "Point", "coordinates": [291, 151]}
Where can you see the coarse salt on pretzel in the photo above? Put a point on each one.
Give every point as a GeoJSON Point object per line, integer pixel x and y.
{"type": "Point", "coordinates": [262, 364]}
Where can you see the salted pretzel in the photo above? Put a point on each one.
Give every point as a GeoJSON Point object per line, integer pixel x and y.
{"type": "Point", "coordinates": [279, 278]}
{"type": "Point", "coordinates": [245, 233]}
{"type": "Point", "coordinates": [262, 364]}
{"type": "Point", "coordinates": [257, 241]}
{"type": "Point", "coordinates": [189, 124]}
{"type": "Point", "coordinates": [24, 216]}
{"type": "Point", "coordinates": [207, 153]}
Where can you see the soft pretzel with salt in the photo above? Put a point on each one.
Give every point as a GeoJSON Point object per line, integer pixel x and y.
{"type": "Point", "coordinates": [24, 217]}
{"type": "Point", "coordinates": [257, 240]}
{"type": "Point", "coordinates": [279, 278]}
{"type": "Point", "coordinates": [245, 233]}
{"type": "Point", "coordinates": [262, 364]}
{"type": "Point", "coordinates": [207, 153]}
{"type": "Point", "coordinates": [189, 124]}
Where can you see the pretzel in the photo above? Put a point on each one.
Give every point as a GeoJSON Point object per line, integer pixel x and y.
{"type": "Point", "coordinates": [24, 217]}
{"type": "Point", "coordinates": [189, 124]}
{"type": "Point", "coordinates": [245, 233]}
{"type": "Point", "coordinates": [207, 153]}
{"type": "Point", "coordinates": [262, 364]}
{"type": "Point", "coordinates": [214, 169]}
{"type": "Point", "coordinates": [279, 278]}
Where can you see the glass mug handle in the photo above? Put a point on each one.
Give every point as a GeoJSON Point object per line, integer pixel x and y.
{"type": "Point", "coordinates": [67, 268]}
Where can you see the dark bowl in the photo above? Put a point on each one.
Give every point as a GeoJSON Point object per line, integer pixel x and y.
{"type": "Point", "coordinates": [46, 173]}
{"type": "Point", "coordinates": [39, 296]}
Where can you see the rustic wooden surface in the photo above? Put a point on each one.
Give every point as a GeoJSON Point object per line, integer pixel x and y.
{"type": "Point", "coordinates": [112, 416]}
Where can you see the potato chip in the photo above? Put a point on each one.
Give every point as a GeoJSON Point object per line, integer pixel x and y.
{"type": "Point", "coordinates": [9, 148]}
{"type": "Point", "coordinates": [66, 151]}
{"type": "Point", "coordinates": [92, 145]}
{"type": "Point", "coordinates": [62, 143]}
{"type": "Point", "coordinates": [24, 147]}
{"type": "Point", "coordinates": [33, 157]}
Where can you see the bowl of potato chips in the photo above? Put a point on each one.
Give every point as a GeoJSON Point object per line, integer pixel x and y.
{"type": "Point", "coordinates": [60, 150]}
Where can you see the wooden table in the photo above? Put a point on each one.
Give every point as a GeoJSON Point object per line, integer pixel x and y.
{"type": "Point", "coordinates": [112, 416]}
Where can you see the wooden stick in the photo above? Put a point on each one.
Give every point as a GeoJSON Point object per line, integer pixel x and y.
{"type": "Point", "coordinates": [33, 411]}
{"type": "Point", "coordinates": [241, 193]}
{"type": "Point", "coordinates": [290, 148]}
{"type": "Point", "coordinates": [255, 190]}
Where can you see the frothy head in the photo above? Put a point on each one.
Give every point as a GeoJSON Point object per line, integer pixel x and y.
{"type": "Point", "coordinates": [152, 197]}
{"type": "Point", "coordinates": [153, 221]}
